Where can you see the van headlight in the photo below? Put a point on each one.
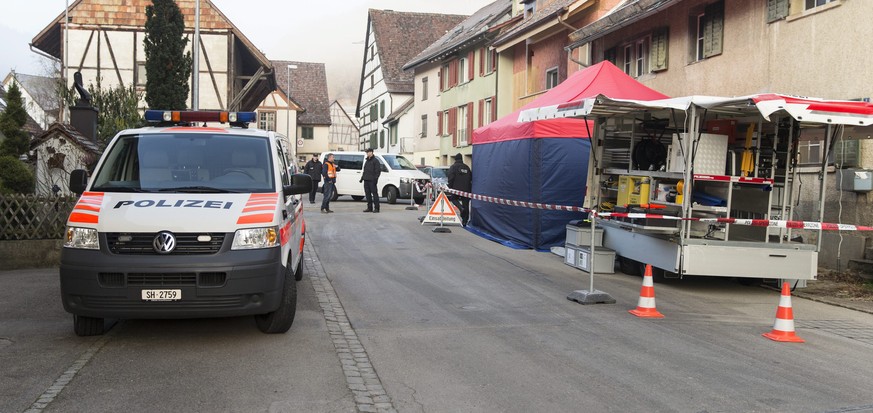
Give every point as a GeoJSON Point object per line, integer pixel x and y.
{"type": "Point", "coordinates": [82, 238]}
{"type": "Point", "coordinates": [253, 238]}
{"type": "Point", "coordinates": [404, 180]}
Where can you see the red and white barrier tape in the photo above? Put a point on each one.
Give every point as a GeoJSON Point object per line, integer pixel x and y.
{"type": "Point", "coordinates": [737, 221]}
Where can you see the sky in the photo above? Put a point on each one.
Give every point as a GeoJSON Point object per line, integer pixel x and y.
{"type": "Point", "coordinates": [327, 31]}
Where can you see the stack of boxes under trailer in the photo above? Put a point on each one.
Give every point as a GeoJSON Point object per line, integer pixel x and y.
{"type": "Point", "coordinates": [577, 248]}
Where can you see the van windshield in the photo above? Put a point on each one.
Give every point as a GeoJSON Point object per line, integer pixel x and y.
{"type": "Point", "coordinates": [398, 162]}
{"type": "Point", "coordinates": [186, 162]}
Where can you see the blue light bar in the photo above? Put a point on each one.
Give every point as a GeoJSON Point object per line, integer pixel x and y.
{"type": "Point", "coordinates": [246, 117]}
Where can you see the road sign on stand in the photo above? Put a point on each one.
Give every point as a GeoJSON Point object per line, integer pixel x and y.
{"type": "Point", "coordinates": [442, 212]}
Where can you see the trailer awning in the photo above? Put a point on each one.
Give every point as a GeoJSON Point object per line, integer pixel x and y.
{"type": "Point", "coordinates": [803, 109]}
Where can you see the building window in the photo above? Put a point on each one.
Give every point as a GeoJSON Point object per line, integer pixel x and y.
{"type": "Point", "coordinates": [486, 112]}
{"type": "Point", "coordinates": [709, 31]}
{"type": "Point", "coordinates": [423, 126]}
{"type": "Point", "coordinates": [642, 60]}
{"type": "Point", "coordinates": [658, 50]}
{"type": "Point", "coordinates": [307, 132]}
{"type": "Point", "coordinates": [463, 70]}
{"type": "Point", "coordinates": [551, 78]}
{"type": "Point", "coordinates": [392, 135]}
{"type": "Point", "coordinates": [628, 60]}
{"type": "Point", "coordinates": [381, 109]}
{"type": "Point", "coordinates": [462, 125]}
{"type": "Point", "coordinates": [267, 120]}
{"type": "Point", "coordinates": [809, 152]}
{"type": "Point", "coordinates": [446, 123]}
{"type": "Point", "coordinates": [424, 88]}
{"type": "Point", "coordinates": [777, 10]}
{"type": "Point", "coordinates": [490, 60]}
{"type": "Point", "coordinates": [141, 74]}
{"type": "Point", "coordinates": [811, 4]}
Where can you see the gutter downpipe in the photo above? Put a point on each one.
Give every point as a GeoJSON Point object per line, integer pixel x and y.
{"type": "Point", "coordinates": [567, 48]}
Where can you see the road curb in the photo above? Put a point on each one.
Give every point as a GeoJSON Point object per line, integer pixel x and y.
{"type": "Point", "coordinates": [361, 377]}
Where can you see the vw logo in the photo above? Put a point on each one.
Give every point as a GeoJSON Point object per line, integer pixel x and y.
{"type": "Point", "coordinates": [164, 242]}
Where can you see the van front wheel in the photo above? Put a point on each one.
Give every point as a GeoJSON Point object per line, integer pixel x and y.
{"type": "Point", "coordinates": [279, 321]}
{"type": "Point", "coordinates": [391, 194]}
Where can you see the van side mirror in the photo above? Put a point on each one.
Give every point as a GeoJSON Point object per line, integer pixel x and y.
{"type": "Point", "coordinates": [78, 181]}
{"type": "Point", "coordinates": [300, 184]}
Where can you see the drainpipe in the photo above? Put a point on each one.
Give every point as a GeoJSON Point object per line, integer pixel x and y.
{"type": "Point", "coordinates": [569, 51]}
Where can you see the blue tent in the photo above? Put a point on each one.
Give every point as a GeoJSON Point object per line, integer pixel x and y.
{"type": "Point", "coordinates": [544, 161]}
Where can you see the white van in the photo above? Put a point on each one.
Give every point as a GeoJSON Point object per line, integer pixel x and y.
{"type": "Point", "coordinates": [186, 221]}
{"type": "Point", "coordinates": [400, 178]}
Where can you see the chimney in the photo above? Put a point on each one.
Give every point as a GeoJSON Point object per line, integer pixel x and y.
{"type": "Point", "coordinates": [83, 116]}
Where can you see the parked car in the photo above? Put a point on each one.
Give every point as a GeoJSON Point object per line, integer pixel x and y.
{"type": "Point", "coordinates": [437, 175]}
{"type": "Point", "coordinates": [399, 180]}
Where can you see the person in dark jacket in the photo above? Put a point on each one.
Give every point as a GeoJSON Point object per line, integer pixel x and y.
{"type": "Point", "coordinates": [313, 169]}
{"type": "Point", "coordinates": [460, 178]}
{"type": "Point", "coordinates": [328, 172]}
{"type": "Point", "coordinates": [370, 178]}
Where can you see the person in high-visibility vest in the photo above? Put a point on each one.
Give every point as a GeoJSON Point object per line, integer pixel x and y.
{"type": "Point", "coordinates": [328, 172]}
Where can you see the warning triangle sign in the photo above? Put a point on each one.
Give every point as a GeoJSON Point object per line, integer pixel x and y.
{"type": "Point", "coordinates": [442, 212]}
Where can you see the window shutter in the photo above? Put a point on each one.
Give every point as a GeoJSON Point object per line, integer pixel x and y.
{"type": "Point", "coordinates": [469, 122]}
{"type": "Point", "coordinates": [471, 58]}
{"type": "Point", "coordinates": [658, 50]}
{"type": "Point", "coordinates": [493, 108]}
{"type": "Point", "coordinates": [453, 125]}
{"type": "Point", "coordinates": [453, 73]}
{"type": "Point", "coordinates": [493, 60]}
{"type": "Point", "coordinates": [713, 29]}
{"type": "Point", "coordinates": [439, 123]}
{"type": "Point", "coordinates": [609, 55]}
{"type": "Point", "coordinates": [440, 78]}
{"type": "Point", "coordinates": [481, 110]}
{"type": "Point", "coordinates": [482, 52]}
{"type": "Point", "coordinates": [776, 10]}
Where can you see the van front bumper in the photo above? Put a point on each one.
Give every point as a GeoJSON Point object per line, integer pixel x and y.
{"type": "Point", "coordinates": [228, 283]}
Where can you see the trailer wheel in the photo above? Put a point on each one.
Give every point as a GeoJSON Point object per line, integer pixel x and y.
{"type": "Point", "coordinates": [279, 321]}
{"type": "Point", "coordinates": [87, 326]}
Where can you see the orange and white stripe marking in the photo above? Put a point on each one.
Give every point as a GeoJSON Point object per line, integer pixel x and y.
{"type": "Point", "coordinates": [87, 209]}
{"type": "Point", "coordinates": [260, 209]}
{"type": "Point", "coordinates": [646, 304]}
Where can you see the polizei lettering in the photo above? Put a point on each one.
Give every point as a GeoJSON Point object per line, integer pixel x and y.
{"type": "Point", "coordinates": [180, 203]}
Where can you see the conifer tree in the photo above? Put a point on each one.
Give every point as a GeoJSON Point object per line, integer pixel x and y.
{"type": "Point", "coordinates": [11, 122]}
{"type": "Point", "coordinates": [168, 66]}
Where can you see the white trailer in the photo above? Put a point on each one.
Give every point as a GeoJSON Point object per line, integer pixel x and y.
{"type": "Point", "coordinates": [696, 158]}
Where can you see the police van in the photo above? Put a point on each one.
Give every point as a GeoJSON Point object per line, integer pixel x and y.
{"type": "Point", "coordinates": [184, 220]}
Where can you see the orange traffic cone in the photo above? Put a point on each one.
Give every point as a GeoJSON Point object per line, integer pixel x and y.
{"type": "Point", "coordinates": [783, 329]}
{"type": "Point", "coordinates": [646, 305]}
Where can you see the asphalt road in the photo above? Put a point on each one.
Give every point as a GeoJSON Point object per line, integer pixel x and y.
{"type": "Point", "coordinates": [394, 317]}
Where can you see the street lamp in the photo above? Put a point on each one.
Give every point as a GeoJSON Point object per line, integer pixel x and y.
{"type": "Point", "coordinates": [292, 141]}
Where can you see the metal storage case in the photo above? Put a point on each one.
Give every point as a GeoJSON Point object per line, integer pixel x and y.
{"type": "Point", "coordinates": [580, 257]}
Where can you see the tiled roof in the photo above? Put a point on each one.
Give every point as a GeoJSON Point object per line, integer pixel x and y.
{"type": "Point", "coordinates": [402, 35]}
{"type": "Point", "coordinates": [71, 133]}
{"type": "Point", "coordinates": [468, 31]}
{"type": "Point", "coordinates": [308, 89]}
{"type": "Point", "coordinates": [545, 10]}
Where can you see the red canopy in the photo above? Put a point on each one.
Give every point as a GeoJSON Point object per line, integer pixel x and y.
{"type": "Point", "coordinates": [603, 78]}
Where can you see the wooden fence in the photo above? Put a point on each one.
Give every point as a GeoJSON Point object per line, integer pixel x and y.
{"type": "Point", "coordinates": [30, 217]}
